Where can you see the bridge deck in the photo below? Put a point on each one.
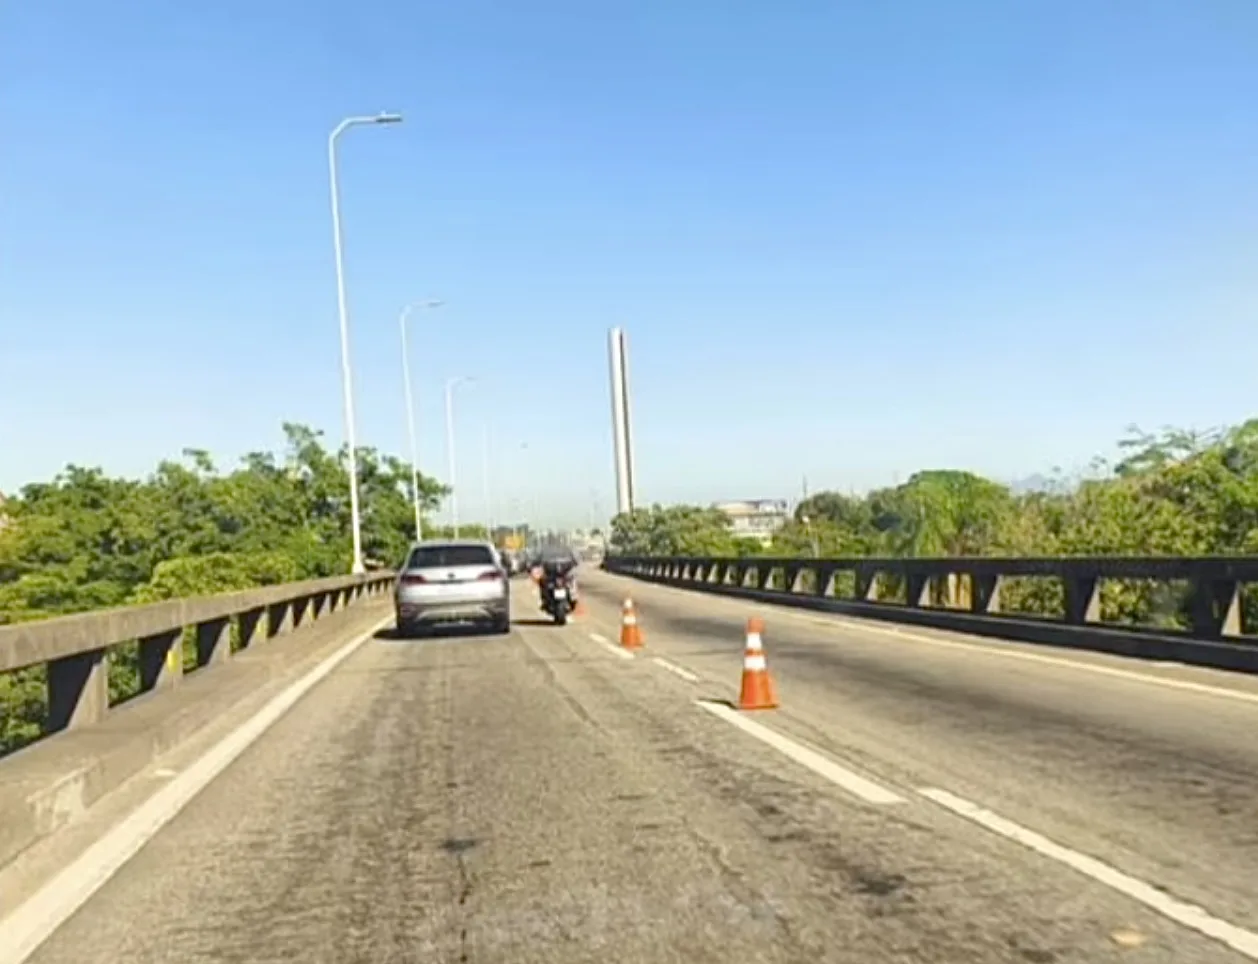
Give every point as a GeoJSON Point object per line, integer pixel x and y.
{"type": "Point", "coordinates": [536, 797]}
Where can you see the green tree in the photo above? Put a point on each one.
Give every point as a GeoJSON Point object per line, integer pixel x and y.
{"type": "Point", "coordinates": [673, 531]}
{"type": "Point", "coordinates": [1172, 492]}
{"type": "Point", "coordinates": [86, 540]}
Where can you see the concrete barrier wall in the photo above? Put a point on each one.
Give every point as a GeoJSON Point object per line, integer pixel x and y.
{"type": "Point", "coordinates": [49, 784]}
{"type": "Point", "coordinates": [75, 648]}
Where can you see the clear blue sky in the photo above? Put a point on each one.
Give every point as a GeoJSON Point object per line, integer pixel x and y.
{"type": "Point", "coordinates": [847, 240]}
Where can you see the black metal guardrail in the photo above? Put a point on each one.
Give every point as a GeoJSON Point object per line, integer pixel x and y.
{"type": "Point", "coordinates": [963, 594]}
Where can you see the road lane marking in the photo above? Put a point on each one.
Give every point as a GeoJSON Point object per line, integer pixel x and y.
{"type": "Point", "coordinates": [1005, 651]}
{"type": "Point", "coordinates": [36, 919]}
{"type": "Point", "coordinates": [1237, 938]}
{"type": "Point", "coordinates": [611, 647]}
{"type": "Point", "coordinates": [849, 780]}
{"type": "Point", "coordinates": [1125, 674]}
{"type": "Point", "coordinates": [676, 670]}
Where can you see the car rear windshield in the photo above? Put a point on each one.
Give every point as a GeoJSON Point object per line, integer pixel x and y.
{"type": "Point", "coordinates": [440, 557]}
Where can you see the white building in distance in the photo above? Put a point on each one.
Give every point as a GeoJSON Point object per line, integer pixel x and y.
{"type": "Point", "coordinates": [755, 519]}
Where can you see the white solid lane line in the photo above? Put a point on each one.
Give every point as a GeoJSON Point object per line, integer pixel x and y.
{"type": "Point", "coordinates": [1237, 938]}
{"type": "Point", "coordinates": [1204, 689]}
{"type": "Point", "coordinates": [850, 781]}
{"type": "Point", "coordinates": [23, 931]}
{"type": "Point", "coordinates": [611, 647]}
{"type": "Point", "coordinates": [676, 670]}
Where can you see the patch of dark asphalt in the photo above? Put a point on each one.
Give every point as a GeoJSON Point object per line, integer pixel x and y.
{"type": "Point", "coordinates": [544, 666]}
{"type": "Point", "coordinates": [458, 845]}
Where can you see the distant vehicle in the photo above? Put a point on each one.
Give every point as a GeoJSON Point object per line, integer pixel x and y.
{"type": "Point", "coordinates": [514, 562]}
{"type": "Point", "coordinates": [556, 554]}
{"type": "Point", "coordinates": [452, 581]}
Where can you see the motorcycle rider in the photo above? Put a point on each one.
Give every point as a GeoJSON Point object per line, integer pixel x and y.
{"type": "Point", "coordinates": [555, 563]}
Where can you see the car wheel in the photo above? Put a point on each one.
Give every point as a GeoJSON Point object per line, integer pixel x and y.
{"type": "Point", "coordinates": [413, 630]}
{"type": "Point", "coordinates": [502, 625]}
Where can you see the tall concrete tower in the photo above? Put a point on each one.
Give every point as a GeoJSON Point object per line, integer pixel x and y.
{"type": "Point", "coordinates": [618, 356]}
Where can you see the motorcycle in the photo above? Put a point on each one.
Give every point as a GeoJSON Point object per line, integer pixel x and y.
{"type": "Point", "coordinates": [557, 595]}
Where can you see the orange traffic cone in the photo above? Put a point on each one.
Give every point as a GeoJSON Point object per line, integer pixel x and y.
{"type": "Point", "coordinates": [630, 634]}
{"type": "Point", "coordinates": [758, 691]}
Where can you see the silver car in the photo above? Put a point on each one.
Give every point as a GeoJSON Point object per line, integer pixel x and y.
{"type": "Point", "coordinates": [451, 582]}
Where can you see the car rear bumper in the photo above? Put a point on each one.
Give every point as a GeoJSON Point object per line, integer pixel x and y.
{"type": "Point", "coordinates": [453, 611]}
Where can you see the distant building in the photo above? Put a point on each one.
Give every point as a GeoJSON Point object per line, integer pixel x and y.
{"type": "Point", "coordinates": [587, 540]}
{"type": "Point", "coordinates": [755, 519]}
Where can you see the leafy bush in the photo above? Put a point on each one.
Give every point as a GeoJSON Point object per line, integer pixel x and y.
{"type": "Point", "coordinates": [1174, 493]}
{"type": "Point", "coordinates": [86, 541]}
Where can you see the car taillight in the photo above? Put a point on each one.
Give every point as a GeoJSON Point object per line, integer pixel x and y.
{"type": "Point", "coordinates": [489, 576]}
{"type": "Point", "coordinates": [413, 580]}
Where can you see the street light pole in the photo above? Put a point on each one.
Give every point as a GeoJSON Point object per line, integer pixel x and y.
{"type": "Point", "coordinates": [489, 505]}
{"type": "Point", "coordinates": [451, 385]}
{"type": "Point", "coordinates": [812, 536]}
{"type": "Point", "coordinates": [347, 379]}
{"type": "Point", "coordinates": [514, 508]}
{"type": "Point", "coordinates": [531, 523]}
{"type": "Point", "coordinates": [410, 413]}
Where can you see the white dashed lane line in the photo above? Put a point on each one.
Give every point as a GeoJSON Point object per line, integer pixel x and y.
{"type": "Point", "coordinates": [841, 776]}
{"type": "Point", "coordinates": [1185, 914]}
{"type": "Point", "coordinates": [611, 647]}
{"type": "Point", "coordinates": [676, 670]}
{"type": "Point", "coordinates": [1237, 938]}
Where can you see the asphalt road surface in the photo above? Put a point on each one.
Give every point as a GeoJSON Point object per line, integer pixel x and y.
{"type": "Point", "coordinates": [539, 797]}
